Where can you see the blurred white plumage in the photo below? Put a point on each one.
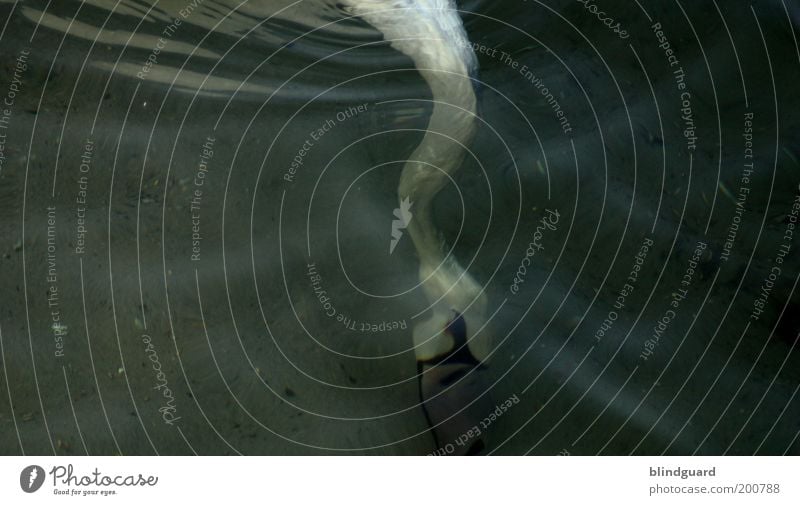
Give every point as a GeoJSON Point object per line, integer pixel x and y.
{"type": "Point", "coordinates": [430, 32]}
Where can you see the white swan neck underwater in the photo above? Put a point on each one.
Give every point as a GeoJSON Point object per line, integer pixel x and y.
{"type": "Point", "coordinates": [454, 339]}
{"type": "Point", "coordinates": [430, 32]}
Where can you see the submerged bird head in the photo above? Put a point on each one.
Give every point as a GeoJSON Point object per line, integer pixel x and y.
{"type": "Point", "coordinates": [457, 316]}
{"type": "Point", "coordinates": [453, 386]}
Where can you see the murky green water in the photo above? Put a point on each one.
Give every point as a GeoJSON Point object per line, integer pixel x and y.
{"type": "Point", "coordinates": [197, 202]}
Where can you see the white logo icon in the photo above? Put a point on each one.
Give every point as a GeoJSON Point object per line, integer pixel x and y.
{"type": "Point", "coordinates": [403, 215]}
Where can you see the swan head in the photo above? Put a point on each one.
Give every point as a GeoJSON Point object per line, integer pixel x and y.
{"type": "Point", "coordinates": [451, 346]}
{"type": "Point", "coordinates": [453, 390]}
{"type": "Point", "coordinates": [457, 314]}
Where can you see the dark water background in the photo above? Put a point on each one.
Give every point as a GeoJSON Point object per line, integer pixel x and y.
{"type": "Point", "coordinates": [253, 363]}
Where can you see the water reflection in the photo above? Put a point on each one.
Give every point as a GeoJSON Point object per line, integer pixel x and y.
{"type": "Point", "coordinates": [264, 285]}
